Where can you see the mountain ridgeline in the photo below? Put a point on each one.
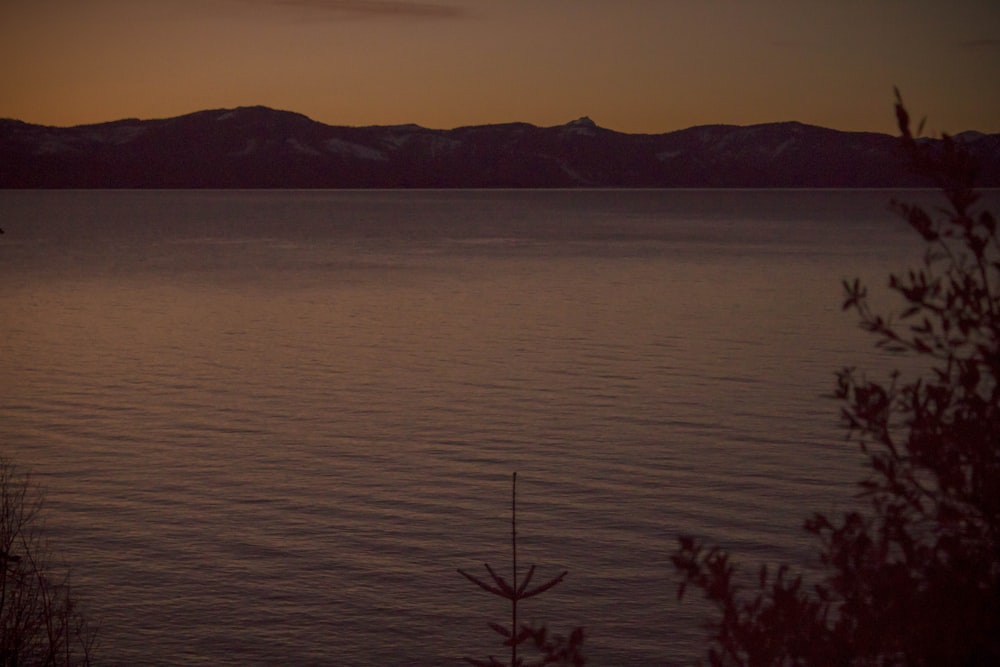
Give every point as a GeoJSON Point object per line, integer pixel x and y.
{"type": "Point", "coordinates": [258, 147]}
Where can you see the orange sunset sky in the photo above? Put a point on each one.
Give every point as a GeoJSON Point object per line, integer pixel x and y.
{"type": "Point", "coordinates": [631, 65]}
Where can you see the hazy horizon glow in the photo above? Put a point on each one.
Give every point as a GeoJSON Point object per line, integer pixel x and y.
{"type": "Point", "coordinates": [632, 66]}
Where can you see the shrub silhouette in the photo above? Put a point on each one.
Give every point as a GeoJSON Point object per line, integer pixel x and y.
{"type": "Point", "coordinates": [40, 622]}
{"type": "Point", "coordinates": [913, 575]}
{"type": "Point", "coordinates": [554, 650]}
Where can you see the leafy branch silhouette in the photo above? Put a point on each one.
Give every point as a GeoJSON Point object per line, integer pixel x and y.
{"type": "Point", "coordinates": [561, 650]}
{"type": "Point", "coordinates": [910, 575]}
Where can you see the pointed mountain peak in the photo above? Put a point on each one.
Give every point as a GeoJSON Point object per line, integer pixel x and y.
{"type": "Point", "coordinates": [582, 121]}
{"type": "Point", "coordinates": [582, 126]}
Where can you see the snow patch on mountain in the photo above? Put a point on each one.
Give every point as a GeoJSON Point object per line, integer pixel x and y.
{"type": "Point", "coordinates": [663, 156]}
{"type": "Point", "coordinates": [350, 149]}
{"type": "Point", "coordinates": [780, 148]}
{"type": "Point", "coordinates": [395, 141]}
{"type": "Point", "coordinates": [118, 134]}
{"type": "Point", "coordinates": [300, 147]}
{"type": "Point", "coordinates": [572, 173]}
{"type": "Point", "coordinates": [50, 144]}
{"type": "Point", "coordinates": [437, 146]}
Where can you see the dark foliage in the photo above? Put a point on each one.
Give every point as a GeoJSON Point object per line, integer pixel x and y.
{"type": "Point", "coordinates": [911, 577]}
{"type": "Point", "coordinates": [41, 624]}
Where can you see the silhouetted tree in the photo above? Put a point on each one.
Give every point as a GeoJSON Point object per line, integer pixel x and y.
{"type": "Point", "coordinates": [911, 577]}
{"type": "Point", "coordinates": [553, 649]}
{"type": "Point", "coordinates": [40, 622]}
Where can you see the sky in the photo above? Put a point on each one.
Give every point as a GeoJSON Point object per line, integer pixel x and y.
{"type": "Point", "coordinates": [631, 65]}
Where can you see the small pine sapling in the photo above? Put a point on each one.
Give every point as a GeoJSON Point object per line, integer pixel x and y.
{"type": "Point", "coordinates": [554, 649]}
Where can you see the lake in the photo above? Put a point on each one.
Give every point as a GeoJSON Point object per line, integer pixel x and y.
{"type": "Point", "coordinates": [272, 424]}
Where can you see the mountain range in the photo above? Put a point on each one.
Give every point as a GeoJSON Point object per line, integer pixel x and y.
{"type": "Point", "coordinates": [258, 147]}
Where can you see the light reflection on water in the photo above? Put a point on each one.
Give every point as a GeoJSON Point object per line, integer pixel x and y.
{"type": "Point", "coordinates": [272, 424]}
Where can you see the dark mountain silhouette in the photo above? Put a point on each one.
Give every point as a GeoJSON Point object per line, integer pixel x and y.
{"type": "Point", "coordinates": [257, 147]}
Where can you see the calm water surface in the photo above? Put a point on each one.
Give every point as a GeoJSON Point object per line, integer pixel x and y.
{"type": "Point", "coordinates": [271, 425]}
